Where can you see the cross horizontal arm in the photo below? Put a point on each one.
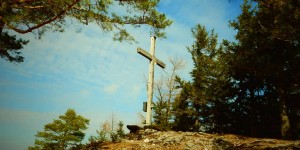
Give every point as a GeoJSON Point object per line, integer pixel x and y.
{"type": "Point", "coordinates": [144, 53]}
{"type": "Point", "coordinates": [148, 56]}
{"type": "Point", "coordinates": [160, 63]}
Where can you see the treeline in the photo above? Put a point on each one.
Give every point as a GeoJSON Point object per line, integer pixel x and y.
{"type": "Point", "coordinates": [250, 86]}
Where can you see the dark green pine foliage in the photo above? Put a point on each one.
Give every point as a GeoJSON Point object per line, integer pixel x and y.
{"type": "Point", "coordinates": [160, 116]}
{"type": "Point", "coordinates": [249, 87]}
{"type": "Point", "coordinates": [184, 117]}
{"type": "Point", "coordinates": [10, 47]}
{"type": "Point", "coordinates": [62, 133]}
{"type": "Point", "coordinates": [40, 16]}
{"type": "Point", "coordinates": [253, 95]}
{"type": "Point", "coordinates": [166, 92]}
{"type": "Point", "coordinates": [266, 66]}
{"type": "Point", "coordinates": [205, 99]}
{"type": "Point", "coordinates": [120, 130]}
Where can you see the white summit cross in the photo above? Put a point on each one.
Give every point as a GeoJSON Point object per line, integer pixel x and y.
{"type": "Point", "coordinates": [153, 60]}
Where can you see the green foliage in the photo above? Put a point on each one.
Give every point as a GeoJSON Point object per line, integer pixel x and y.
{"type": "Point", "coordinates": [249, 87]}
{"type": "Point", "coordinates": [165, 93]}
{"type": "Point", "coordinates": [114, 137]}
{"type": "Point", "coordinates": [106, 134]}
{"type": "Point", "coordinates": [120, 130]}
{"type": "Point", "coordinates": [204, 102]}
{"type": "Point", "coordinates": [63, 132]}
{"type": "Point", "coordinates": [10, 46]}
{"type": "Point", "coordinates": [266, 62]}
{"type": "Point", "coordinates": [160, 116]}
{"type": "Point", "coordinates": [25, 16]}
{"type": "Point", "coordinates": [119, 134]}
{"type": "Point", "coordinates": [184, 118]}
{"type": "Point", "coordinates": [102, 136]}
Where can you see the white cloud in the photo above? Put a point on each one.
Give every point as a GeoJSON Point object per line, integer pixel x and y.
{"type": "Point", "coordinates": [94, 75]}
{"type": "Point", "coordinates": [110, 89]}
{"type": "Point", "coordinates": [85, 92]}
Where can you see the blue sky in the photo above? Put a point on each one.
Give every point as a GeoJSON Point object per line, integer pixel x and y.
{"type": "Point", "coordinates": [95, 75]}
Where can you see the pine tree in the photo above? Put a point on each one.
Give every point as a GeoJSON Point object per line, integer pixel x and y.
{"type": "Point", "coordinates": [266, 59]}
{"type": "Point", "coordinates": [63, 132]}
{"type": "Point", "coordinates": [165, 93]}
{"type": "Point", "coordinates": [184, 116]}
{"type": "Point", "coordinates": [206, 97]}
{"type": "Point", "coordinates": [39, 16]}
{"type": "Point", "coordinates": [120, 130]}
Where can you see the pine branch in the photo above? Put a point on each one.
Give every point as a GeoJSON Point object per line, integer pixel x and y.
{"type": "Point", "coordinates": [42, 23]}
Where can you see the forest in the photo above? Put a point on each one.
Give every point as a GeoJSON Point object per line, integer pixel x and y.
{"type": "Point", "coordinates": [247, 87]}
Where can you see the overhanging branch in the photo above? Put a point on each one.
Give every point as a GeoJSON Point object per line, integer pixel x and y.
{"type": "Point", "coordinates": [43, 23]}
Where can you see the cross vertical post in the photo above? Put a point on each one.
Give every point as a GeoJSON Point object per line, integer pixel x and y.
{"type": "Point", "coordinates": [153, 61]}
{"type": "Point", "coordinates": [150, 82]}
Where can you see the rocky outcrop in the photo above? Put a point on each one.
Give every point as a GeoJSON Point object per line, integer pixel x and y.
{"type": "Point", "coordinates": [150, 139]}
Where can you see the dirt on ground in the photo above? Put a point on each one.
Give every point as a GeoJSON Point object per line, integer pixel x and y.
{"type": "Point", "coordinates": [150, 139]}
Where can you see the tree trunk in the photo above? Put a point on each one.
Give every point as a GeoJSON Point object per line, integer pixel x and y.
{"type": "Point", "coordinates": [252, 113]}
{"type": "Point", "coordinates": [253, 117]}
{"type": "Point", "coordinates": [285, 122]}
{"type": "Point", "coordinates": [1, 24]}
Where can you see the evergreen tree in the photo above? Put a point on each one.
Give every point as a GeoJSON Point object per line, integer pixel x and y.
{"type": "Point", "coordinates": [62, 133]}
{"type": "Point", "coordinates": [248, 87]}
{"type": "Point", "coordinates": [266, 61]}
{"type": "Point", "coordinates": [206, 97]}
{"type": "Point", "coordinates": [39, 16]}
{"type": "Point", "coordinates": [102, 134]}
{"type": "Point", "coordinates": [117, 135]}
{"type": "Point", "coordinates": [120, 130]}
{"type": "Point", "coordinates": [10, 46]}
{"type": "Point", "coordinates": [165, 93]}
{"type": "Point", "coordinates": [160, 116]}
{"type": "Point", "coordinates": [184, 117]}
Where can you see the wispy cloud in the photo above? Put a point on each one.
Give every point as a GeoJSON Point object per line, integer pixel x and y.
{"type": "Point", "coordinates": [94, 75]}
{"type": "Point", "coordinates": [111, 89]}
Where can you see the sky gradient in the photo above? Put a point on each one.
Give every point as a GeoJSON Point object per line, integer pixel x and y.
{"type": "Point", "coordinates": [93, 74]}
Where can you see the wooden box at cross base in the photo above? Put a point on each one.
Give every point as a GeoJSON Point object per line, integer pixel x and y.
{"type": "Point", "coordinates": [145, 106]}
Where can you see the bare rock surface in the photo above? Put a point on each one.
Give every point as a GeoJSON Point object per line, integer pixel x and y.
{"type": "Point", "coordinates": [150, 139]}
